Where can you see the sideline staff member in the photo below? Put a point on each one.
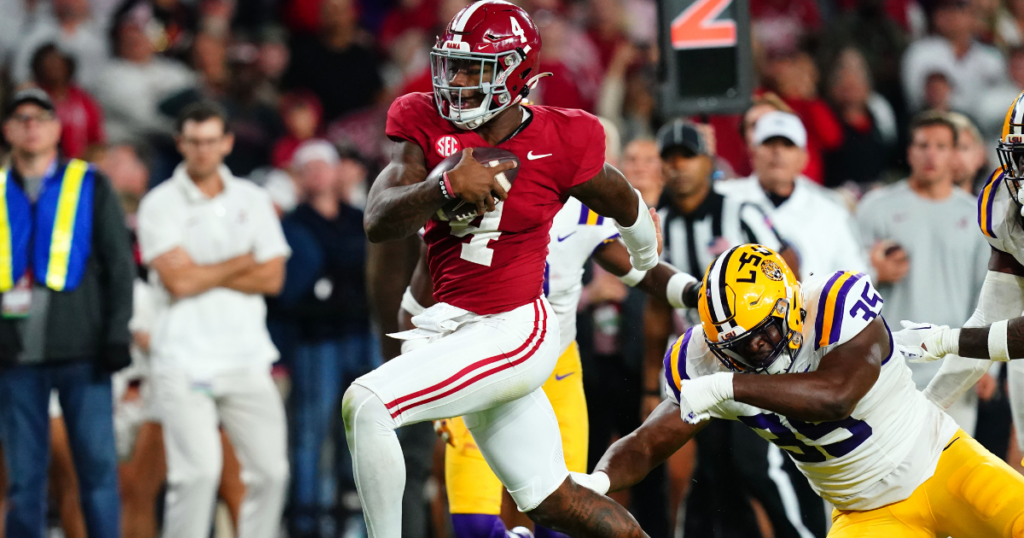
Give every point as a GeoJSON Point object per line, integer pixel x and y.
{"type": "Point", "coordinates": [216, 247]}
{"type": "Point", "coordinates": [66, 273]}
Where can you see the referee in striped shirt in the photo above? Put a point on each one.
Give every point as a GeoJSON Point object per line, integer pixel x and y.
{"type": "Point", "coordinates": [734, 464]}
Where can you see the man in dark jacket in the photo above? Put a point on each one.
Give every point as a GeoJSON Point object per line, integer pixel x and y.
{"type": "Point", "coordinates": [324, 299]}
{"type": "Point", "coordinates": [65, 300]}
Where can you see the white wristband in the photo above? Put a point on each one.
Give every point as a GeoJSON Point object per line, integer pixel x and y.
{"type": "Point", "coordinates": [598, 481]}
{"type": "Point", "coordinates": [641, 239]}
{"type": "Point", "coordinates": [410, 304]}
{"type": "Point", "coordinates": [633, 277]}
{"type": "Point", "coordinates": [998, 348]}
{"type": "Point", "coordinates": [675, 288]}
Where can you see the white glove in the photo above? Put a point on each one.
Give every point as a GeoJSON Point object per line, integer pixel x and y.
{"type": "Point", "coordinates": [925, 342]}
{"type": "Point", "coordinates": [698, 396]}
{"type": "Point", "coordinates": [598, 482]}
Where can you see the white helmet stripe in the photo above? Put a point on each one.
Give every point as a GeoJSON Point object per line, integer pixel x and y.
{"type": "Point", "coordinates": [1017, 117]}
{"type": "Point", "coordinates": [459, 24]}
{"type": "Point", "coordinates": [719, 308]}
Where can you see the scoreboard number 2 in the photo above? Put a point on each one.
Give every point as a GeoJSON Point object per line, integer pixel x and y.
{"type": "Point", "coordinates": [697, 28]}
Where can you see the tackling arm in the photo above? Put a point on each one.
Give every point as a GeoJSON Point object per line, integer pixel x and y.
{"type": "Point", "coordinates": [832, 391]}
{"type": "Point", "coordinates": [629, 459]}
{"type": "Point", "coordinates": [1001, 298]}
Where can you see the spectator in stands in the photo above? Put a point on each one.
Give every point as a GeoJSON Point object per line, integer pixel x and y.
{"type": "Point", "coordinates": [807, 216]}
{"type": "Point", "coordinates": [971, 67]}
{"type": "Point", "coordinates": [994, 102]}
{"type": "Point", "coordinates": [972, 165]}
{"type": "Point", "coordinates": [72, 29]}
{"type": "Point", "coordinates": [255, 123]}
{"type": "Point", "coordinates": [324, 295]}
{"type": "Point", "coordinates": [868, 122]}
{"type": "Point", "coordinates": [1009, 24]}
{"type": "Point", "coordinates": [641, 165]}
{"type": "Point", "coordinates": [934, 224]}
{"type": "Point", "coordinates": [301, 115]}
{"type": "Point", "coordinates": [780, 25]}
{"type": "Point", "coordinates": [606, 28]}
{"type": "Point", "coordinates": [80, 117]}
{"type": "Point", "coordinates": [339, 69]}
{"type": "Point", "coordinates": [574, 61]}
{"type": "Point", "coordinates": [143, 80]}
{"type": "Point", "coordinates": [794, 76]}
{"type": "Point", "coordinates": [872, 31]}
{"type": "Point", "coordinates": [215, 239]}
{"type": "Point", "coordinates": [174, 24]}
{"type": "Point", "coordinates": [65, 327]}
{"type": "Point", "coordinates": [938, 92]}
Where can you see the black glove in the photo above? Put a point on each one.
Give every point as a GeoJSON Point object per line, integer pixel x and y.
{"type": "Point", "coordinates": [115, 357]}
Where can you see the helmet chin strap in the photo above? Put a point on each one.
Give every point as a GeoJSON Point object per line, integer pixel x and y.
{"type": "Point", "coordinates": [477, 122]}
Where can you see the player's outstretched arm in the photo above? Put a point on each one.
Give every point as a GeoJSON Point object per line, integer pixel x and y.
{"type": "Point", "coordinates": [629, 459]}
{"type": "Point", "coordinates": [610, 195]}
{"type": "Point", "coordinates": [832, 391]}
{"type": "Point", "coordinates": [664, 283]}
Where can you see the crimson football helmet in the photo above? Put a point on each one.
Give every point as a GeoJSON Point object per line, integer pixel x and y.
{"type": "Point", "coordinates": [500, 40]}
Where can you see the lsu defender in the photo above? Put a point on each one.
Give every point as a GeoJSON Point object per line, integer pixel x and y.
{"type": "Point", "coordinates": [577, 233]}
{"type": "Point", "coordinates": [1000, 210]}
{"type": "Point", "coordinates": [813, 368]}
{"type": "Point", "coordinates": [493, 336]}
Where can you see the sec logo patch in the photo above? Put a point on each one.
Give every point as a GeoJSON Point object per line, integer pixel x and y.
{"type": "Point", "coordinates": [447, 146]}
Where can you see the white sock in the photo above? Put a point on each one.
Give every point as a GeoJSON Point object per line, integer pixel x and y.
{"type": "Point", "coordinates": [377, 461]}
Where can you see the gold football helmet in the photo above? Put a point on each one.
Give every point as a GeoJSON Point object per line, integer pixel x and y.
{"type": "Point", "coordinates": [1011, 146]}
{"type": "Point", "coordinates": [751, 310]}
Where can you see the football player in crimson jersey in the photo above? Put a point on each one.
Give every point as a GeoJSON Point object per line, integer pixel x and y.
{"type": "Point", "coordinates": [493, 339]}
{"type": "Point", "coordinates": [577, 234]}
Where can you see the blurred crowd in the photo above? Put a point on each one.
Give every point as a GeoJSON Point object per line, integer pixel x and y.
{"type": "Point", "coordinates": [883, 90]}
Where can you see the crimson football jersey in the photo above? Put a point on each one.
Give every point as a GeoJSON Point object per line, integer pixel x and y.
{"type": "Point", "coordinates": [495, 263]}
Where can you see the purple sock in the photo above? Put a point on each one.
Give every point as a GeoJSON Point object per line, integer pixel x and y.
{"type": "Point", "coordinates": [477, 526]}
{"type": "Point", "coordinates": [544, 532]}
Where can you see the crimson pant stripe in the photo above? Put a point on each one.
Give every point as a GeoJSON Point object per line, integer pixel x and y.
{"type": "Point", "coordinates": [478, 377]}
{"type": "Point", "coordinates": [472, 367]}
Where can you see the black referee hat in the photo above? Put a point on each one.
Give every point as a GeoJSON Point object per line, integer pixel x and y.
{"type": "Point", "coordinates": [681, 134]}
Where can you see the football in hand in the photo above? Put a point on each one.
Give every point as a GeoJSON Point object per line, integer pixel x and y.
{"type": "Point", "coordinates": [458, 210]}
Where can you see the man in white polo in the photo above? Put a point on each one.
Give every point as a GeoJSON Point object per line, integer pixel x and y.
{"type": "Point", "coordinates": [216, 248]}
{"type": "Point", "coordinates": [807, 216]}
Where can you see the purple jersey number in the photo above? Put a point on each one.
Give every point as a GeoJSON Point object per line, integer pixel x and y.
{"type": "Point", "coordinates": [867, 304]}
{"type": "Point", "coordinates": [786, 439]}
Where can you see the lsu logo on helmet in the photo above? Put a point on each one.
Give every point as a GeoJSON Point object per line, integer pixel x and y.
{"type": "Point", "coordinates": [751, 310]}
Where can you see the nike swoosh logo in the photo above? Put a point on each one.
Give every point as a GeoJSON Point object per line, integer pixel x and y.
{"type": "Point", "coordinates": [531, 157]}
{"type": "Point", "coordinates": [560, 238]}
{"type": "Point", "coordinates": [561, 377]}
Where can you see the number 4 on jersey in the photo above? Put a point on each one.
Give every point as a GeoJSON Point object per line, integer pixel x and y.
{"type": "Point", "coordinates": [478, 249]}
{"type": "Point", "coordinates": [696, 27]}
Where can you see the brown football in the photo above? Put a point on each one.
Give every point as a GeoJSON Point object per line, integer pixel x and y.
{"type": "Point", "coordinates": [458, 210]}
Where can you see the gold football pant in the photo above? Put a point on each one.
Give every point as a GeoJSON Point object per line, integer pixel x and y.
{"type": "Point", "coordinates": [973, 494]}
{"type": "Point", "coordinates": [472, 486]}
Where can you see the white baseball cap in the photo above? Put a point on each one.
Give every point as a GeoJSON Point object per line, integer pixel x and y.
{"type": "Point", "coordinates": [315, 150]}
{"type": "Point", "coordinates": [784, 124]}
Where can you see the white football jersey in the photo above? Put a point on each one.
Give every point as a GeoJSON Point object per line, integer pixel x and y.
{"type": "Point", "coordinates": [575, 233]}
{"type": "Point", "coordinates": [878, 455]}
{"type": "Point", "coordinates": [999, 217]}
